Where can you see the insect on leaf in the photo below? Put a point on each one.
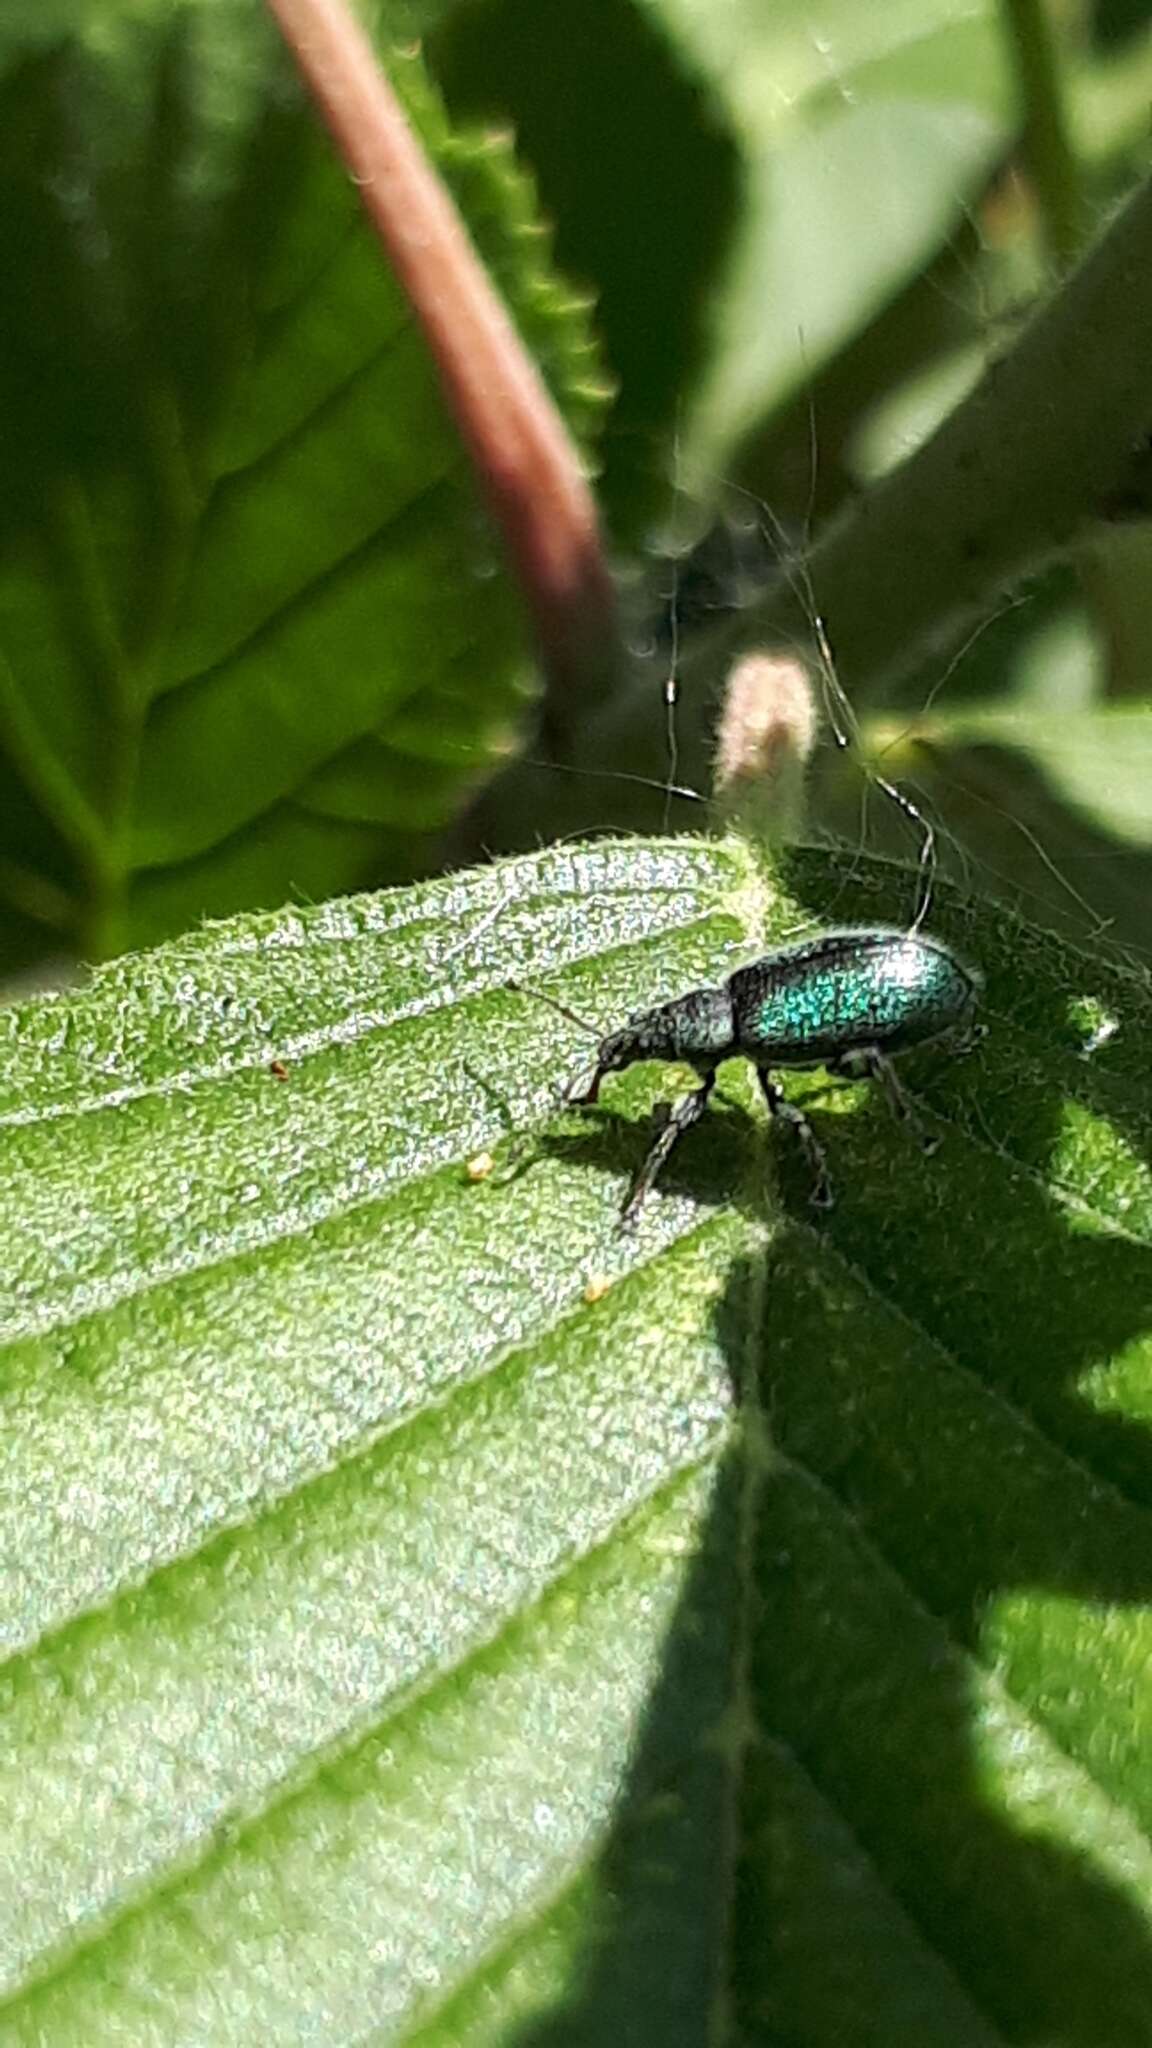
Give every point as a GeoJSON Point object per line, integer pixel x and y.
{"type": "Point", "coordinates": [430, 1616]}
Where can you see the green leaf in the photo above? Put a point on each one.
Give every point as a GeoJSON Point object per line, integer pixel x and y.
{"type": "Point", "coordinates": [639, 169]}
{"type": "Point", "coordinates": [1099, 760]}
{"type": "Point", "coordinates": [254, 637]}
{"type": "Point", "coordinates": [1045, 808]}
{"type": "Point", "coordinates": [811, 162]}
{"type": "Point", "coordinates": [431, 1617]}
{"type": "Point", "coordinates": [865, 134]}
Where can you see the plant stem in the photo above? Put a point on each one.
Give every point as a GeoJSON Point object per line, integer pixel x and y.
{"type": "Point", "coordinates": [526, 461]}
{"type": "Point", "coordinates": [1047, 141]}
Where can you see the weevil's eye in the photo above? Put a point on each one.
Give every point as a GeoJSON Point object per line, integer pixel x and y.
{"type": "Point", "coordinates": [615, 1051]}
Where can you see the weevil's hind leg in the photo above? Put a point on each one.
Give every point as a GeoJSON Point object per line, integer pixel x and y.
{"type": "Point", "coordinates": [967, 1039]}
{"type": "Point", "coordinates": [787, 1113]}
{"type": "Point", "coordinates": [675, 1121]}
{"type": "Point", "coordinates": [873, 1066]}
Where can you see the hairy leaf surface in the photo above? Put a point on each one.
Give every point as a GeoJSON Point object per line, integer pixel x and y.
{"type": "Point", "coordinates": [431, 1617]}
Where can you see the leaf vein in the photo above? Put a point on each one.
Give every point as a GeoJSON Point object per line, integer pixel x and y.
{"type": "Point", "coordinates": [300, 1783]}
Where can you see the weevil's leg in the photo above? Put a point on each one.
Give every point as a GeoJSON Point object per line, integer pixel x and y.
{"type": "Point", "coordinates": [674, 1122]}
{"type": "Point", "coordinates": [873, 1065]}
{"type": "Point", "coordinates": [573, 1095]}
{"type": "Point", "coordinates": [966, 1041]}
{"type": "Point", "coordinates": [787, 1113]}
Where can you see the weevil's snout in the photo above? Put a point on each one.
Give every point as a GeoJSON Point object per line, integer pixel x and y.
{"type": "Point", "coordinates": [616, 1051]}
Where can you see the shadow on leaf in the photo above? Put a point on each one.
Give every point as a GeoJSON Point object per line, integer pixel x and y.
{"type": "Point", "coordinates": [891, 1785]}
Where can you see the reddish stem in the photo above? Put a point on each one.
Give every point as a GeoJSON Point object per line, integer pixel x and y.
{"type": "Point", "coordinates": [523, 454]}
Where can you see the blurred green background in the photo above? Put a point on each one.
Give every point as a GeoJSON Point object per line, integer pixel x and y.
{"type": "Point", "coordinates": [255, 640]}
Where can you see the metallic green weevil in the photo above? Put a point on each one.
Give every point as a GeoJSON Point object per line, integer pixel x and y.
{"type": "Point", "coordinates": [847, 1000]}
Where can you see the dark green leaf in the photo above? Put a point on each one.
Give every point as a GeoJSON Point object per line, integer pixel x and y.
{"type": "Point", "coordinates": [1049, 810]}
{"type": "Point", "coordinates": [785, 178]}
{"type": "Point", "coordinates": [248, 591]}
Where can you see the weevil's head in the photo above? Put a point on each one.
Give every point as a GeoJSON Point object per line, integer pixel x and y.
{"type": "Point", "coordinates": [696, 1028]}
{"type": "Point", "coordinates": [619, 1049]}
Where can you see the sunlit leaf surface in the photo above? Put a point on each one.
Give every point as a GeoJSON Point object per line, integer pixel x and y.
{"type": "Point", "coordinates": [432, 1617]}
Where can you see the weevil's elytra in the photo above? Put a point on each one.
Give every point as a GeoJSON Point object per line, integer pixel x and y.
{"type": "Point", "coordinates": [847, 1000]}
{"type": "Point", "coordinates": [882, 990]}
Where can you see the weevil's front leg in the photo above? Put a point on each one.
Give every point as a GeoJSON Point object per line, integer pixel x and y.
{"type": "Point", "coordinates": [787, 1113]}
{"type": "Point", "coordinates": [678, 1119]}
{"type": "Point", "coordinates": [872, 1065]}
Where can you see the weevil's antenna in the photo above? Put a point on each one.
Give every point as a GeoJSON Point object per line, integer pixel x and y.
{"type": "Point", "coordinates": [672, 674]}
{"type": "Point", "coordinates": [842, 719]}
{"type": "Point", "coordinates": [845, 732]}
{"type": "Point", "coordinates": [664, 787]}
{"type": "Point", "coordinates": [667, 789]}
{"type": "Point", "coordinates": [538, 995]}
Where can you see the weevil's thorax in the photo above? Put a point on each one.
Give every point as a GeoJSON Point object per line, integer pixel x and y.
{"type": "Point", "coordinates": [697, 1028]}
{"type": "Point", "coordinates": [848, 990]}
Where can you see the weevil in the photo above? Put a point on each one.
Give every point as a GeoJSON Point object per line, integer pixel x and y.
{"type": "Point", "coordinates": [847, 1000]}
